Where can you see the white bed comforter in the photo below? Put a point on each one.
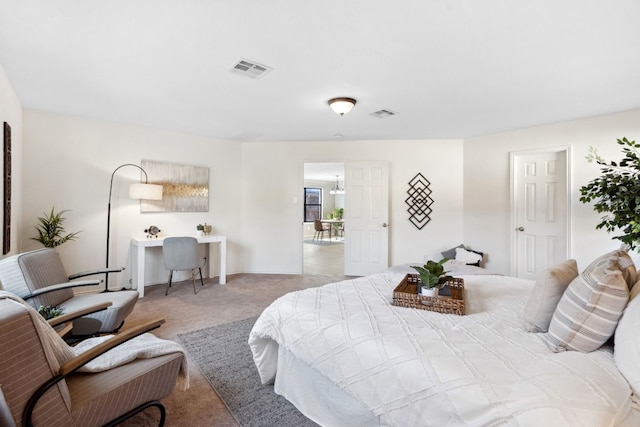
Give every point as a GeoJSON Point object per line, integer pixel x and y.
{"type": "Point", "coordinates": [414, 367]}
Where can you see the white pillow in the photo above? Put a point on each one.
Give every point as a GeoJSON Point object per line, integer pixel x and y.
{"type": "Point", "coordinates": [627, 344]}
{"type": "Point", "coordinates": [549, 288]}
{"type": "Point", "coordinates": [467, 257]}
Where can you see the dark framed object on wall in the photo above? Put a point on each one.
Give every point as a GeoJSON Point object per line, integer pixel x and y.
{"type": "Point", "coordinates": [6, 199]}
{"type": "Point", "coordinates": [419, 201]}
{"type": "Point", "coordinates": [312, 204]}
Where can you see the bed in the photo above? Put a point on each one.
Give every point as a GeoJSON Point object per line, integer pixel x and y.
{"type": "Point", "coordinates": [344, 355]}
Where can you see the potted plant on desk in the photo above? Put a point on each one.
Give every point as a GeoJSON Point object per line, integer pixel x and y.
{"type": "Point", "coordinates": [432, 277]}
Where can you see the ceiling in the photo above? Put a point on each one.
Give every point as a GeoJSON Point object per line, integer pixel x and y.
{"type": "Point", "coordinates": [449, 69]}
{"type": "Point", "coordinates": [324, 172]}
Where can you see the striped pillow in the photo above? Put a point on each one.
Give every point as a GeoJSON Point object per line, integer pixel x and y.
{"type": "Point", "coordinates": [588, 312]}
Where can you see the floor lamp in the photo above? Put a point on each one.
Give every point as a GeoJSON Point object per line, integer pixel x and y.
{"type": "Point", "coordinates": [138, 190]}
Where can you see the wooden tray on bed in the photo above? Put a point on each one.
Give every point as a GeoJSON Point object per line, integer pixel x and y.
{"type": "Point", "coordinates": [450, 300]}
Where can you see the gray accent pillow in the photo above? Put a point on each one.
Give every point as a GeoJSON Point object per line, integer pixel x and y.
{"type": "Point", "coordinates": [549, 288]}
{"type": "Point", "coordinates": [451, 253]}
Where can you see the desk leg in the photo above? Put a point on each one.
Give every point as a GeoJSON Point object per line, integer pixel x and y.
{"type": "Point", "coordinates": [223, 262]}
{"type": "Point", "coordinates": [138, 276]}
{"type": "Point", "coordinates": [207, 264]}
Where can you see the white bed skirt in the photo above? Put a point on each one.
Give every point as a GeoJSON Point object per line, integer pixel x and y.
{"type": "Point", "coordinates": [316, 397]}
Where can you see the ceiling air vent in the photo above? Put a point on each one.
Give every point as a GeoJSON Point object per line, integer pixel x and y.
{"type": "Point", "coordinates": [250, 69]}
{"type": "Point", "coordinates": [381, 114]}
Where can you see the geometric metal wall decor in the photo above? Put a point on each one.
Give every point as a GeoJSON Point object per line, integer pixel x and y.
{"type": "Point", "coordinates": [185, 188]}
{"type": "Point", "coordinates": [419, 201]}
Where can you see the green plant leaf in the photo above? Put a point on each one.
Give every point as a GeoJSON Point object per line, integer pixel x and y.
{"type": "Point", "coordinates": [50, 229]}
{"type": "Point", "coordinates": [616, 192]}
{"type": "Point", "coordinates": [432, 273]}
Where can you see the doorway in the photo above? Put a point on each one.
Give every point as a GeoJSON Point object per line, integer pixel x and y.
{"type": "Point", "coordinates": [540, 209]}
{"type": "Point", "coordinates": [323, 253]}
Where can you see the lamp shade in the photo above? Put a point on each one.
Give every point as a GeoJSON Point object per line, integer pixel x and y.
{"type": "Point", "coordinates": [145, 191]}
{"type": "Point", "coordinates": [341, 105]}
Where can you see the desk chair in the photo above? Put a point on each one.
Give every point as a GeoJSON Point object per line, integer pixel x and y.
{"type": "Point", "coordinates": [181, 254]}
{"type": "Point", "coordinates": [320, 229]}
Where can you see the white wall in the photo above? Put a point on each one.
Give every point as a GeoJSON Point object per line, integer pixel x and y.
{"type": "Point", "coordinates": [486, 183]}
{"type": "Point", "coordinates": [11, 112]}
{"type": "Point", "coordinates": [273, 175]}
{"type": "Point", "coordinates": [69, 162]}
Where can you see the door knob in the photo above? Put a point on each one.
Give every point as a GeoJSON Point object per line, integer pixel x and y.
{"type": "Point", "coordinates": [384, 224]}
{"type": "Point", "coordinates": [520, 228]}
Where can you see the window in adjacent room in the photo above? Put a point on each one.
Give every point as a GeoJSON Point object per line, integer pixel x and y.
{"type": "Point", "coordinates": [312, 204]}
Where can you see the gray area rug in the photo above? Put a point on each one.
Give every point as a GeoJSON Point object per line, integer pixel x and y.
{"type": "Point", "coordinates": [224, 358]}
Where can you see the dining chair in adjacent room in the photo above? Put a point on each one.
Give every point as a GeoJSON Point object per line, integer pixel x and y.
{"type": "Point", "coordinates": [181, 254]}
{"type": "Point", "coordinates": [320, 229]}
{"type": "Point", "coordinates": [340, 230]}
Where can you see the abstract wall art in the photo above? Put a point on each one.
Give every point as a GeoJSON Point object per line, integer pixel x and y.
{"type": "Point", "coordinates": [185, 188]}
{"type": "Point", "coordinates": [419, 201]}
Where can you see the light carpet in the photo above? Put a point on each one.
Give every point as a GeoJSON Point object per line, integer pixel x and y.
{"type": "Point", "coordinates": [224, 358]}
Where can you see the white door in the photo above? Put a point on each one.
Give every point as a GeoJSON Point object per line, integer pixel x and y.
{"type": "Point", "coordinates": [540, 215]}
{"type": "Point", "coordinates": [366, 247]}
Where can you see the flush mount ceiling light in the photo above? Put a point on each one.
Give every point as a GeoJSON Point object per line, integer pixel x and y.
{"type": "Point", "coordinates": [341, 105]}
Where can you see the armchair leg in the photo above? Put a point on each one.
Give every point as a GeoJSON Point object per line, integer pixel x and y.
{"type": "Point", "coordinates": [156, 403]}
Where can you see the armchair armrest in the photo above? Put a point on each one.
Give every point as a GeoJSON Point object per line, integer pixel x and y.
{"type": "Point", "coordinates": [96, 271]}
{"type": "Point", "coordinates": [59, 286]}
{"type": "Point", "coordinates": [96, 351]}
{"type": "Point", "coordinates": [79, 313]}
{"type": "Point", "coordinates": [75, 363]}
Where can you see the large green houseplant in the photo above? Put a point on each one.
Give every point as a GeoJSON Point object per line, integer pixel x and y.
{"type": "Point", "coordinates": [51, 232]}
{"type": "Point", "coordinates": [616, 193]}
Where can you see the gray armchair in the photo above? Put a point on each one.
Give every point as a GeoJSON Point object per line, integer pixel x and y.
{"type": "Point", "coordinates": [37, 388]}
{"type": "Point", "coordinates": [39, 277]}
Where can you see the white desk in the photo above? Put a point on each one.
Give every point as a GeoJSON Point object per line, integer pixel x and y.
{"type": "Point", "coordinates": [139, 244]}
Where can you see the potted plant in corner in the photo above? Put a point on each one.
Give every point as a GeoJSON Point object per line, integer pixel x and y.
{"type": "Point", "coordinates": [615, 193]}
{"type": "Point", "coordinates": [51, 233]}
{"type": "Point", "coordinates": [432, 277]}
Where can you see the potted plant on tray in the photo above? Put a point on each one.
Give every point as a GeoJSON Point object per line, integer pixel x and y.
{"type": "Point", "coordinates": [432, 277]}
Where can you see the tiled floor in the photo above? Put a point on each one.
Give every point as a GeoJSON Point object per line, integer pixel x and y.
{"type": "Point", "coordinates": [324, 257]}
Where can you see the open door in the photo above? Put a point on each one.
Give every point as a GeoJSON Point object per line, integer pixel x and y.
{"type": "Point", "coordinates": [366, 249]}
